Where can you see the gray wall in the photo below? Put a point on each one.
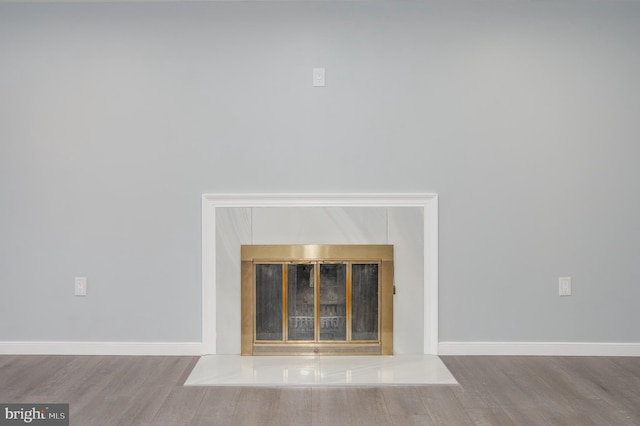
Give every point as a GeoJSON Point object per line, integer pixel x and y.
{"type": "Point", "coordinates": [523, 117]}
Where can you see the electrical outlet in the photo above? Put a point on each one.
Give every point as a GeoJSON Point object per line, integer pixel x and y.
{"type": "Point", "coordinates": [564, 284]}
{"type": "Point", "coordinates": [318, 77]}
{"type": "Point", "coordinates": [80, 286]}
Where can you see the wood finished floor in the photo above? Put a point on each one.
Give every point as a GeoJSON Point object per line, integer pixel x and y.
{"type": "Point", "coordinates": [110, 390]}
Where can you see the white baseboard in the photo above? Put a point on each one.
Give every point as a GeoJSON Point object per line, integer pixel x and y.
{"type": "Point", "coordinates": [539, 348]}
{"type": "Point", "coordinates": [101, 348]}
{"type": "Point", "coordinates": [196, 348]}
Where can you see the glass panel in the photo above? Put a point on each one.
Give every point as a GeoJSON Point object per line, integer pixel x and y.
{"type": "Point", "coordinates": [364, 300]}
{"type": "Point", "coordinates": [333, 290]}
{"type": "Point", "coordinates": [301, 299]}
{"type": "Point", "coordinates": [269, 302]}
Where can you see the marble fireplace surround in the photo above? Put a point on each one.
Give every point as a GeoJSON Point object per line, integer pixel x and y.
{"type": "Point", "coordinates": [408, 221]}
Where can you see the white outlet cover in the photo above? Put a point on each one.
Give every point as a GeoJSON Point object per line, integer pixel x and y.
{"type": "Point", "coordinates": [80, 286]}
{"type": "Point", "coordinates": [318, 77]}
{"type": "Point", "coordinates": [564, 286]}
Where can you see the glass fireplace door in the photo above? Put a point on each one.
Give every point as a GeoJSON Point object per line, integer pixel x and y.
{"type": "Point", "coordinates": [364, 307]}
{"type": "Point", "coordinates": [269, 302]}
{"type": "Point", "coordinates": [301, 300]}
{"type": "Point", "coordinates": [333, 301]}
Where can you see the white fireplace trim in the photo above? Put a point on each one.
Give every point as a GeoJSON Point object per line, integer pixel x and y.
{"type": "Point", "coordinates": [210, 202]}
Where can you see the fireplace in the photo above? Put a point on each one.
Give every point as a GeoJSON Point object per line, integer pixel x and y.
{"type": "Point", "coordinates": [317, 299]}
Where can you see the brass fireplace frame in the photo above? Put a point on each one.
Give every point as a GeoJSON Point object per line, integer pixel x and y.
{"type": "Point", "coordinates": [288, 254]}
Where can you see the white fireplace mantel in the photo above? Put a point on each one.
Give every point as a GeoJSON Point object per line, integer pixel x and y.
{"type": "Point", "coordinates": [212, 202]}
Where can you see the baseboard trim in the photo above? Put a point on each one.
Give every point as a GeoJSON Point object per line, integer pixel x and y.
{"type": "Point", "coordinates": [444, 348]}
{"type": "Point", "coordinates": [539, 348]}
{"type": "Point", "coordinates": [102, 348]}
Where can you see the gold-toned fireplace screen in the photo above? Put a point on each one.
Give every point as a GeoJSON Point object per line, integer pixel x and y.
{"type": "Point", "coordinates": [317, 299]}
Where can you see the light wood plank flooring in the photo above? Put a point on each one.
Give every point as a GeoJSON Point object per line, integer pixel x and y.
{"type": "Point", "coordinates": [110, 390]}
